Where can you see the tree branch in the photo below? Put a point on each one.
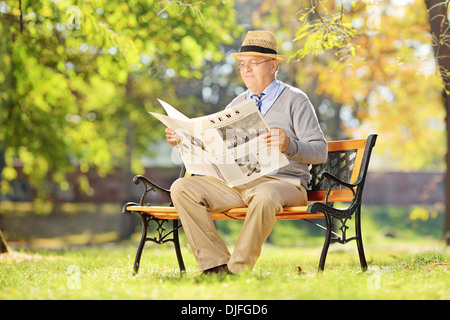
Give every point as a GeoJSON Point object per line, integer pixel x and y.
{"type": "Point", "coordinates": [440, 33]}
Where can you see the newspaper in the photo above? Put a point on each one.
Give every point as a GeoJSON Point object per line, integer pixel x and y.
{"type": "Point", "coordinates": [225, 144]}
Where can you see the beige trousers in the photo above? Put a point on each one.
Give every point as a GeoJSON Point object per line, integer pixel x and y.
{"type": "Point", "coordinates": [194, 197]}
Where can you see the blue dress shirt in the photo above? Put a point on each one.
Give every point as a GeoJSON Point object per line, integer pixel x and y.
{"type": "Point", "coordinates": [271, 93]}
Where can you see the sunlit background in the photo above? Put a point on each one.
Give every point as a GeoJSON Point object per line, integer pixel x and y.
{"type": "Point", "coordinates": [78, 78]}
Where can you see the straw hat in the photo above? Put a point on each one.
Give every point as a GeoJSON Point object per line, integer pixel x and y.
{"type": "Point", "coordinates": [259, 43]}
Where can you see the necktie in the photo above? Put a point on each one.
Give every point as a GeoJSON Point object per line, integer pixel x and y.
{"type": "Point", "coordinates": [257, 100]}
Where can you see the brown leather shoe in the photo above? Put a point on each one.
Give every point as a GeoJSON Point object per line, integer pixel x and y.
{"type": "Point", "coordinates": [219, 270]}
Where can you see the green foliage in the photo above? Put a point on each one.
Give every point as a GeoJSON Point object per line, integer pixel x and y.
{"type": "Point", "coordinates": [78, 77]}
{"type": "Point", "coordinates": [321, 32]}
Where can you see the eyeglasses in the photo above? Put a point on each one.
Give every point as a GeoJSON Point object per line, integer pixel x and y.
{"type": "Point", "coordinates": [243, 65]}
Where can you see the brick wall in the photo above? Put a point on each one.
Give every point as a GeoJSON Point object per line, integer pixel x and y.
{"type": "Point", "coordinates": [382, 188]}
{"type": "Point", "coordinates": [404, 188]}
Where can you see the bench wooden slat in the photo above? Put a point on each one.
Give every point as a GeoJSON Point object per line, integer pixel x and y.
{"type": "Point", "coordinates": [169, 213]}
{"type": "Point", "coordinates": [357, 167]}
{"type": "Point", "coordinates": [346, 145]}
{"type": "Point", "coordinates": [335, 195]}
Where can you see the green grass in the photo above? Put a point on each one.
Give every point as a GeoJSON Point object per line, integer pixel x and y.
{"type": "Point", "coordinates": [407, 272]}
{"type": "Point", "coordinates": [406, 260]}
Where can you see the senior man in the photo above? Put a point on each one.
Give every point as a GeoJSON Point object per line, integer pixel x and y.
{"type": "Point", "coordinates": [293, 127]}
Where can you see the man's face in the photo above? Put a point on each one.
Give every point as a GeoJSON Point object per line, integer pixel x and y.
{"type": "Point", "coordinates": [257, 72]}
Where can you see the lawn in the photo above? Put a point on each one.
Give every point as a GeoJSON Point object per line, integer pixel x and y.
{"type": "Point", "coordinates": [406, 261]}
{"type": "Point", "coordinates": [406, 272]}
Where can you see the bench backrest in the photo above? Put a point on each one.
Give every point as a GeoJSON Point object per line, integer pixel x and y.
{"type": "Point", "coordinates": [348, 160]}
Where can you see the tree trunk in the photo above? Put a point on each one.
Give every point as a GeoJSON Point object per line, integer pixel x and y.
{"type": "Point", "coordinates": [128, 221]}
{"type": "Point", "coordinates": [440, 32]}
{"type": "Point", "coordinates": [3, 246]}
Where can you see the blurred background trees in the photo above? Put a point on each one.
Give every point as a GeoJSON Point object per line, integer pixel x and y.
{"type": "Point", "coordinates": [77, 78]}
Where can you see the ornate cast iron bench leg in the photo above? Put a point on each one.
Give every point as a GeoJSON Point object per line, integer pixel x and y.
{"type": "Point", "coordinates": [137, 259]}
{"type": "Point", "coordinates": [343, 215]}
{"type": "Point", "coordinates": [160, 240]}
{"type": "Point", "coordinates": [362, 257]}
{"type": "Point", "coordinates": [162, 237]}
{"type": "Point", "coordinates": [328, 239]}
{"type": "Point", "coordinates": [176, 241]}
{"type": "Point", "coordinates": [326, 244]}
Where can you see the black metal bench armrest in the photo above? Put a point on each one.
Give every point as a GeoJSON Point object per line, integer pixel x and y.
{"type": "Point", "coordinates": [149, 186]}
{"type": "Point", "coordinates": [327, 175]}
{"type": "Point", "coordinates": [327, 206]}
{"type": "Point", "coordinates": [315, 207]}
{"type": "Point", "coordinates": [337, 181]}
{"type": "Point", "coordinates": [124, 208]}
{"type": "Point", "coordinates": [150, 183]}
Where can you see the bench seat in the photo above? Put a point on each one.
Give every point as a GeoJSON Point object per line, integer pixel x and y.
{"type": "Point", "coordinates": [289, 213]}
{"type": "Point", "coordinates": [169, 213]}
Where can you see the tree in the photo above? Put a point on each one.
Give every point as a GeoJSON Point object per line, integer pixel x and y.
{"type": "Point", "coordinates": [3, 246]}
{"type": "Point", "coordinates": [77, 77]}
{"type": "Point", "coordinates": [440, 31]}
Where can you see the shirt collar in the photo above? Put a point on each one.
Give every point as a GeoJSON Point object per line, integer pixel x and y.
{"type": "Point", "coordinates": [269, 91]}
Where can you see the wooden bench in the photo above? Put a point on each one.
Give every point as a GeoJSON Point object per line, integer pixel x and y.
{"type": "Point", "coordinates": [340, 179]}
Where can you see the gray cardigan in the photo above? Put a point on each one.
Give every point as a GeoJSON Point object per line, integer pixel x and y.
{"type": "Point", "coordinates": [293, 112]}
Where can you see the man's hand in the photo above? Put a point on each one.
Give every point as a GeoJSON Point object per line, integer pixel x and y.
{"type": "Point", "coordinates": [171, 137]}
{"type": "Point", "coordinates": [276, 137]}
